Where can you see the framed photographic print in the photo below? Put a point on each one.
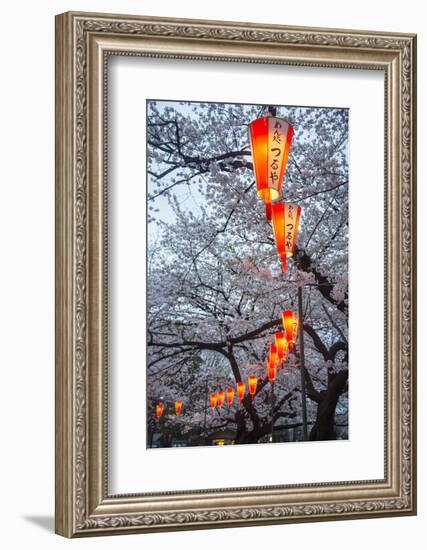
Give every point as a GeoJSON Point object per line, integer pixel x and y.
{"type": "Point", "coordinates": [235, 274]}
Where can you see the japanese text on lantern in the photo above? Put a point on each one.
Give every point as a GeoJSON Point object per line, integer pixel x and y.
{"type": "Point", "coordinates": [290, 223]}
{"type": "Point", "coordinates": [275, 152]}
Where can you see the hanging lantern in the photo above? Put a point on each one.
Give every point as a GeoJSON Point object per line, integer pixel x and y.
{"type": "Point", "coordinates": [280, 344]}
{"type": "Point", "coordinates": [290, 324]}
{"type": "Point", "coordinates": [274, 356]}
{"type": "Point", "coordinates": [178, 407]}
{"type": "Point", "coordinates": [252, 382]}
{"type": "Point", "coordinates": [240, 390]}
{"type": "Point", "coordinates": [272, 372]}
{"type": "Point", "coordinates": [282, 347]}
{"type": "Point", "coordinates": [286, 217]}
{"type": "Point", "coordinates": [159, 410]}
{"type": "Point", "coordinates": [213, 400]}
{"type": "Point", "coordinates": [271, 139]}
{"type": "Point", "coordinates": [230, 396]}
{"type": "Point", "coordinates": [220, 398]}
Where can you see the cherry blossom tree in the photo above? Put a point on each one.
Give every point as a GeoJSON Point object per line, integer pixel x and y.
{"type": "Point", "coordinates": [216, 289]}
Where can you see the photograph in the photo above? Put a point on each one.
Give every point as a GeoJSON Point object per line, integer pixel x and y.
{"type": "Point", "coordinates": [247, 273]}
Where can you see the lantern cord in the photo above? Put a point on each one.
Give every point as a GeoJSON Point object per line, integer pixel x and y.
{"type": "Point", "coordinates": [261, 112]}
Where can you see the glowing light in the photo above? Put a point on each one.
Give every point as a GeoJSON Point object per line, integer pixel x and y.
{"type": "Point", "coordinates": [274, 355]}
{"type": "Point", "coordinates": [286, 218]}
{"type": "Point", "coordinates": [252, 382]}
{"type": "Point", "coordinates": [240, 390]}
{"type": "Point", "coordinates": [178, 407]}
{"type": "Point", "coordinates": [159, 409]}
{"type": "Point", "coordinates": [290, 325]}
{"type": "Point", "coordinates": [271, 139]}
{"type": "Point", "coordinates": [213, 400]}
{"type": "Point", "coordinates": [272, 372]}
{"type": "Point", "coordinates": [220, 398]}
{"type": "Point", "coordinates": [230, 396]}
{"type": "Point", "coordinates": [282, 347]}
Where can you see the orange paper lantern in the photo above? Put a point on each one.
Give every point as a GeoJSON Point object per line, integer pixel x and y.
{"type": "Point", "coordinates": [253, 382]}
{"type": "Point", "coordinates": [290, 325]}
{"type": "Point", "coordinates": [272, 372]}
{"type": "Point", "coordinates": [240, 390]}
{"type": "Point", "coordinates": [230, 396]}
{"type": "Point", "coordinates": [286, 218]}
{"type": "Point", "coordinates": [213, 400]}
{"type": "Point", "coordinates": [178, 407]}
{"type": "Point", "coordinates": [271, 139]}
{"type": "Point", "coordinates": [274, 356]}
{"type": "Point", "coordinates": [159, 410]}
{"type": "Point", "coordinates": [282, 347]}
{"type": "Point", "coordinates": [220, 398]}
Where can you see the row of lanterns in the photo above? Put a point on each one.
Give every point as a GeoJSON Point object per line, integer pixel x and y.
{"type": "Point", "coordinates": [217, 399]}
{"type": "Point", "coordinates": [283, 344]}
{"type": "Point", "coordinates": [271, 140]}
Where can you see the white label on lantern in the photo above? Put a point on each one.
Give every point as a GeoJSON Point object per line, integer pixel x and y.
{"type": "Point", "coordinates": [277, 135]}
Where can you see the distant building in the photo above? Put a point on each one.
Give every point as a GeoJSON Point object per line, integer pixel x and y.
{"type": "Point", "coordinates": [222, 437]}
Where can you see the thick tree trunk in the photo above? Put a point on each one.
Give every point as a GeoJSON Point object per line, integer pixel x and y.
{"type": "Point", "coordinates": [252, 436]}
{"type": "Point", "coordinates": [324, 427]}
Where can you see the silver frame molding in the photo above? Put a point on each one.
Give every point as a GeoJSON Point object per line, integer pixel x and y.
{"type": "Point", "coordinates": [83, 43]}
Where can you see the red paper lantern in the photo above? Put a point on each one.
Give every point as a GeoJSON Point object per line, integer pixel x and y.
{"type": "Point", "coordinates": [290, 325]}
{"type": "Point", "coordinates": [230, 396]}
{"type": "Point", "coordinates": [286, 218]}
{"type": "Point", "coordinates": [270, 139]}
{"type": "Point", "coordinates": [178, 407]}
{"type": "Point", "coordinates": [274, 356]}
{"type": "Point", "coordinates": [213, 400]}
{"type": "Point", "coordinates": [159, 409]}
{"type": "Point", "coordinates": [220, 398]}
{"type": "Point", "coordinates": [240, 390]}
{"type": "Point", "coordinates": [252, 382]}
{"type": "Point", "coordinates": [282, 347]}
{"type": "Point", "coordinates": [272, 372]}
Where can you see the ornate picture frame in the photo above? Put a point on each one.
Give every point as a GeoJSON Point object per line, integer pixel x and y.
{"type": "Point", "coordinates": [84, 42]}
